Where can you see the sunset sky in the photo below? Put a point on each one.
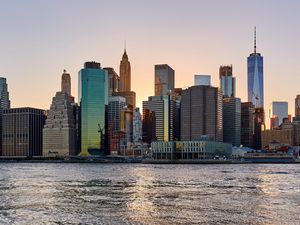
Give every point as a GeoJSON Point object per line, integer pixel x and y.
{"type": "Point", "coordinates": [41, 38]}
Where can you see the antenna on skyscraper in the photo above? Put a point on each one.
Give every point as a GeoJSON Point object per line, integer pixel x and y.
{"type": "Point", "coordinates": [125, 45]}
{"type": "Point", "coordinates": [255, 39]}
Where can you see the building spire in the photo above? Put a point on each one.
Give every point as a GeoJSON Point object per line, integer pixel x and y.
{"type": "Point", "coordinates": [125, 46]}
{"type": "Point", "coordinates": [255, 39]}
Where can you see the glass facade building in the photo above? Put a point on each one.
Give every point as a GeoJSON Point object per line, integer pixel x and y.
{"type": "Point", "coordinates": [164, 80]}
{"type": "Point", "coordinates": [279, 110]}
{"type": "Point", "coordinates": [93, 98]}
{"type": "Point", "coordinates": [255, 80]}
{"type": "Point", "coordinates": [227, 81]}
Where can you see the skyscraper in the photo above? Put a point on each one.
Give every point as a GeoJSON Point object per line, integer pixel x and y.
{"type": "Point", "coordinates": [227, 81]}
{"type": "Point", "coordinates": [247, 124]}
{"type": "Point", "coordinates": [232, 121]}
{"type": "Point", "coordinates": [93, 99]}
{"type": "Point", "coordinates": [202, 80]}
{"type": "Point", "coordinates": [22, 131]}
{"type": "Point", "coordinates": [201, 114]}
{"type": "Point", "coordinates": [113, 81]}
{"type": "Point", "coordinates": [4, 94]}
{"type": "Point", "coordinates": [279, 110]}
{"type": "Point", "coordinates": [162, 108]}
{"type": "Point", "coordinates": [125, 73]}
{"type": "Point", "coordinates": [297, 106]}
{"type": "Point", "coordinates": [164, 80]}
{"type": "Point", "coordinates": [255, 78]}
{"type": "Point", "coordinates": [125, 82]}
{"type": "Point", "coordinates": [60, 131]}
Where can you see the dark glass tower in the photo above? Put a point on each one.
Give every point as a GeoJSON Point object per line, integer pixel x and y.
{"type": "Point", "coordinates": [255, 78]}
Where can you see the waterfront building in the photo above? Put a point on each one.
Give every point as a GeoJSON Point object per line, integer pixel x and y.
{"type": "Point", "coordinates": [22, 131]}
{"type": "Point", "coordinates": [164, 80]}
{"type": "Point", "coordinates": [201, 114]}
{"type": "Point", "coordinates": [227, 81]}
{"type": "Point", "coordinates": [113, 81]}
{"type": "Point", "coordinates": [232, 120]}
{"type": "Point", "coordinates": [93, 99]}
{"type": "Point", "coordinates": [255, 78]}
{"type": "Point", "coordinates": [283, 135]}
{"type": "Point", "coordinates": [162, 108]}
{"type": "Point", "coordinates": [4, 94]}
{"type": "Point", "coordinates": [297, 106]}
{"type": "Point", "coordinates": [137, 126]}
{"type": "Point", "coordinates": [60, 134]}
{"type": "Point", "coordinates": [202, 80]}
{"type": "Point", "coordinates": [190, 150]}
{"type": "Point", "coordinates": [279, 110]}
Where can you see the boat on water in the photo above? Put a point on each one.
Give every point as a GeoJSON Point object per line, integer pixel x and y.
{"type": "Point", "coordinates": [268, 157]}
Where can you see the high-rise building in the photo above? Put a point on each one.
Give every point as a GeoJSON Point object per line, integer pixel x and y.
{"type": "Point", "coordinates": [60, 131]}
{"type": "Point", "coordinates": [93, 99]}
{"type": "Point", "coordinates": [177, 117]}
{"type": "Point", "coordinates": [164, 80]}
{"type": "Point", "coordinates": [201, 114]}
{"type": "Point", "coordinates": [4, 94]}
{"type": "Point", "coordinates": [126, 126]}
{"type": "Point", "coordinates": [232, 121]}
{"type": "Point", "coordinates": [115, 107]}
{"type": "Point", "coordinates": [279, 110]}
{"type": "Point", "coordinates": [137, 126]}
{"type": "Point", "coordinates": [162, 109]}
{"type": "Point", "coordinates": [259, 126]}
{"type": "Point", "coordinates": [148, 127]}
{"type": "Point", "coordinates": [125, 82]}
{"type": "Point", "coordinates": [202, 80]}
{"type": "Point", "coordinates": [125, 74]}
{"type": "Point", "coordinates": [22, 131]}
{"type": "Point", "coordinates": [297, 106]}
{"type": "Point", "coordinates": [113, 81]}
{"type": "Point", "coordinates": [227, 81]}
{"type": "Point", "coordinates": [255, 78]}
{"type": "Point", "coordinates": [247, 124]}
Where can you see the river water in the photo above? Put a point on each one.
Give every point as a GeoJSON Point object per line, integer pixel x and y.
{"type": "Point", "coordinates": [46, 193]}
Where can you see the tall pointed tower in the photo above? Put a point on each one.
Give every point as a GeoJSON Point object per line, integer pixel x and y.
{"type": "Point", "coordinates": [125, 73]}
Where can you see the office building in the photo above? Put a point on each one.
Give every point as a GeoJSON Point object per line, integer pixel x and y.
{"type": "Point", "coordinates": [247, 124]}
{"type": "Point", "coordinates": [259, 126]}
{"type": "Point", "coordinates": [227, 81]}
{"type": "Point", "coordinates": [60, 134]}
{"type": "Point", "coordinates": [279, 110]}
{"type": "Point", "coordinates": [4, 94]}
{"type": "Point", "coordinates": [297, 106]}
{"type": "Point", "coordinates": [130, 97]}
{"type": "Point", "coordinates": [115, 107]}
{"type": "Point", "coordinates": [113, 81]}
{"type": "Point", "coordinates": [232, 121]}
{"type": "Point", "coordinates": [93, 99]}
{"type": "Point", "coordinates": [177, 117]}
{"type": "Point", "coordinates": [126, 126]}
{"type": "Point", "coordinates": [162, 108]}
{"type": "Point", "coordinates": [164, 80]}
{"type": "Point", "coordinates": [22, 131]}
{"type": "Point", "coordinates": [202, 80]}
{"type": "Point", "coordinates": [137, 126]}
{"type": "Point", "coordinates": [148, 127]}
{"type": "Point", "coordinates": [201, 114]}
{"type": "Point", "coordinates": [255, 78]}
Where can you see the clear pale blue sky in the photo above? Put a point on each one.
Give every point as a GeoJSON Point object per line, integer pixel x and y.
{"type": "Point", "coordinates": [40, 38]}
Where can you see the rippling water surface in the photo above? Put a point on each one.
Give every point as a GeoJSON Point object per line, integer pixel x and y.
{"type": "Point", "coordinates": [149, 194]}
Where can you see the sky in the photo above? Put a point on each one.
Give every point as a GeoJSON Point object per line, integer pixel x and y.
{"type": "Point", "coordinates": [38, 39]}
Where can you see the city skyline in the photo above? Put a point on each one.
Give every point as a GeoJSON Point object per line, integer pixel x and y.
{"type": "Point", "coordinates": [191, 45]}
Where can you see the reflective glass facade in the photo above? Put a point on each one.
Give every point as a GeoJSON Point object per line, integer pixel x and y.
{"type": "Point", "coordinates": [93, 98]}
{"type": "Point", "coordinates": [164, 80]}
{"type": "Point", "coordinates": [255, 80]}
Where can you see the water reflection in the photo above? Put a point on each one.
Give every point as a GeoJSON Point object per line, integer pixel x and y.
{"type": "Point", "coordinates": [148, 194]}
